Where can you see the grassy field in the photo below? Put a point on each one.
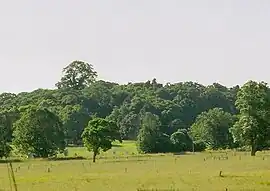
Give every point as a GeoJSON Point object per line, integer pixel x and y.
{"type": "Point", "coordinates": [123, 169]}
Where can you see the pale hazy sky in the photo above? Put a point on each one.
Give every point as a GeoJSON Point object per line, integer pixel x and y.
{"type": "Point", "coordinates": [225, 41]}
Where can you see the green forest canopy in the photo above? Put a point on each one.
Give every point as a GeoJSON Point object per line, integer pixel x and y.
{"type": "Point", "coordinates": [180, 110]}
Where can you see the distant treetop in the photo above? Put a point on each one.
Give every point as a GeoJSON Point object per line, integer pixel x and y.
{"type": "Point", "coordinates": [77, 75]}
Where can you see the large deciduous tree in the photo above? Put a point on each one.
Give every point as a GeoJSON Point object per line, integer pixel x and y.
{"type": "Point", "coordinates": [99, 135]}
{"type": "Point", "coordinates": [7, 119]}
{"type": "Point", "coordinates": [151, 139]}
{"type": "Point", "coordinates": [40, 132]}
{"type": "Point", "coordinates": [253, 127]}
{"type": "Point", "coordinates": [128, 122]}
{"type": "Point", "coordinates": [75, 119]}
{"type": "Point", "coordinates": [212, 128]}
{"type": "Point", "coordinates": [77, 75]}
{"type": "Point", "coordinates": [5, 136]}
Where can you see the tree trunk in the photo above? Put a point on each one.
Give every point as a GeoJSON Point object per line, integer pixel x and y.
{"type": "Point", "coordinates": [94, 157]}
{"type": "Point", "coordinates": [253, 150]}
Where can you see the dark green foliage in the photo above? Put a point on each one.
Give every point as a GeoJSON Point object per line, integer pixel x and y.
{"type": "Point", "coordinates": [212, 128]}
{"type": "Point", "coordinates": [5, 148]}
{"type": "Point", "coordinates": [253, 125]}
{"type": "Point", "coordinates": [150, 138]}
{"type": "Point", "coordinates": [7, 101]}
{"type": "Point", "coordinates": [77, 75]}
{"type": "Point", "coordinates": [181, 141]}
{"type": "Point", "coordinates": [175, 107]}
{"type": "Point", "coordinates": [75, 119]}
{"type": "Point", "coordinates": [40, 132]}
{"type": "Point", "coordinates": [199, 146]}
{"type": "Point", "coordinates": [7, 118]}
{"type": "Point", "coordinates": [99, 135]}
{"type": "Point", "coordinates": [128, 122]}
{"type": "Point", "coordinates": [5, 136]}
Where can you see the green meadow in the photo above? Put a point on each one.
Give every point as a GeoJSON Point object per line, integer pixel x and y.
{"type": "Point", "coordinates": [122, 168]}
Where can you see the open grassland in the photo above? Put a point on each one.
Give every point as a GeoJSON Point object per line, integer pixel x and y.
{"type": "Point", "coordinates": [123, 169]}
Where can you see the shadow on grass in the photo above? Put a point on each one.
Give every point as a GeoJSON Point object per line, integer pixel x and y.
{"type": "Point", "coordinates": [183, 153]}
{"type": "Point", "coordinates": [117, 145]}
{"type": "Point", "coordinates": [75, 146]}
{"type": "Point", "coordinates": [67, 158]}
{"type": "Point", "coordinates": [132, 157]}
{"type": "Point", "coordinates": [111, 158]}
{"type": "Point", "coordinates": [122, 161]}
{"type": "Point", "coordinates": [10, 160]}
{"type": "Point", "coordinates": [231, 176]}
{"type": "Point", "coordinates": [265, 183]}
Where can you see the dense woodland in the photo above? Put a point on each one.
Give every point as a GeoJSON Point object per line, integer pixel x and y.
{"type": "Point", "coordinates": [184, 116]}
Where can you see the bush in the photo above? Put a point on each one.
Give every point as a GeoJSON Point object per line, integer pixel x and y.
{"type": "Point", "coordinates": [181, 141]}
{"type": "Point", "coordinates": [199, 146]}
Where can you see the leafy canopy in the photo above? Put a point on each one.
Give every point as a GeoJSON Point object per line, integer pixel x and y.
{"type": "Point", "coordinates": [77, 75]}
{"type": "Point", "coordinates": [99, 135]}
{"type": "Point", "coordinates": [40, 132]}
{"type": "Point", "coordinates": [181, 140]}
{"type": "Point", "coordinates": [151, 139]}
{"type": "Point", "coordinates": [5, 135]}
{"type": "Point", "coordinates": [212, 128]}
{"type": "Point", "coordinates": [253, 127]}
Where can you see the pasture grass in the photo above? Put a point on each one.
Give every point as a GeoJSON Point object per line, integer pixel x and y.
{"type": "Point", "coordinates": [124, 149]}
{"type": "Point", "coordinates": [123, 169]}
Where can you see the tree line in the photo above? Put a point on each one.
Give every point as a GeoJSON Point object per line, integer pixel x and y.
{"type": "Point", "coordinates": [184, 116]}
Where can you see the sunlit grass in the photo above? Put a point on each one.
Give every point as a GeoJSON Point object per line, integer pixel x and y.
{"type": "Point", "coordinates": [123, 169]}
{"type": "Point", "coordinates": [119, 149]}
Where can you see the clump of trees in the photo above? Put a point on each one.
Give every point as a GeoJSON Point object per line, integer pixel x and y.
{"type": "Point", "coordinates": [150, 138]}
{"type": "Point", "coordinates": [212, 128]}
{"type": "Point", "coordinates": [5, 136]}
{"type": "Point", "coordinates": [184, 116]}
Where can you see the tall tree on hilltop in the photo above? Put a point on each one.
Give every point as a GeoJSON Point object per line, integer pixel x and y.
{"type": "Point", "coordinates": [77, 75]}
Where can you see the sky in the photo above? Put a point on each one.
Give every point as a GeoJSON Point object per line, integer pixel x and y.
{"type": "Point", "coordinates": [206, 41]}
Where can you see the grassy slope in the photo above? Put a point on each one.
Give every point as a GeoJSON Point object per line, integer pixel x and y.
{"type": "Point", "coordinates": [124, 170]}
